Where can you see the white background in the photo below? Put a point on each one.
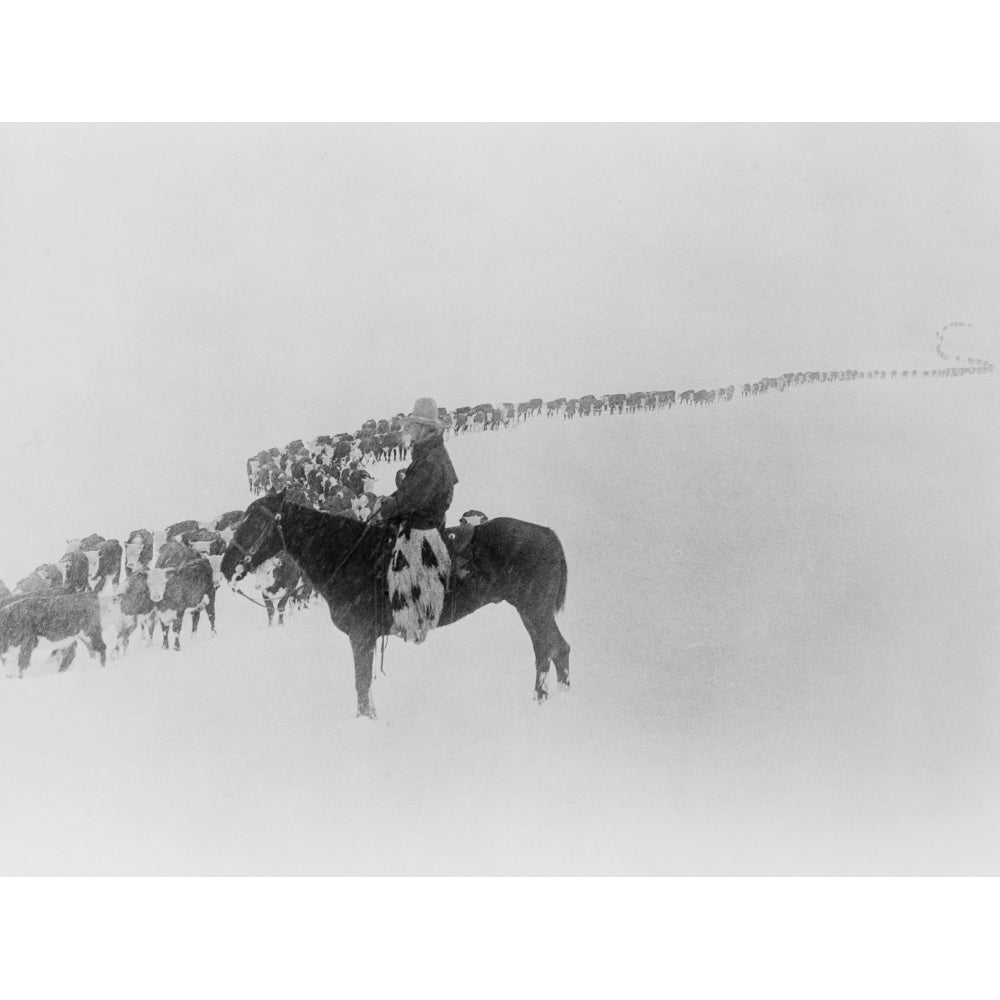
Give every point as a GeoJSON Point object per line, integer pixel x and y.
{"type": "Point", "coordinates": [726, 63]}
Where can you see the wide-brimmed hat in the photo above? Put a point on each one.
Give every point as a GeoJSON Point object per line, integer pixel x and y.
{"type": "Point", "coordinates": [425, 413]}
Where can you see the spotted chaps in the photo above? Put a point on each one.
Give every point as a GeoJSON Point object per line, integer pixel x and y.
{"type": "Point", "coordinates": [417, 577]}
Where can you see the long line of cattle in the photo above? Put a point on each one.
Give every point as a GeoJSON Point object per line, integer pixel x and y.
{"type": "Point", "coordinates": [328, 472]}
{"type": "Point", "coordinates": [101, 590]}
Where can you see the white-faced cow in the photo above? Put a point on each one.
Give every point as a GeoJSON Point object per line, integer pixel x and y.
{"type": "Point", "coordinates": [176, 585]}
{"type": "Point", "coordinates": [76, 571]}
{"type": "Point", "coordinates": [209, 544]}
{"type": "Point", "coordinates": [105, 565]}
{"type": "Point", "coordinates": [278, 580]}
{"type": "Point", "coordinates": [134, 607]}
{"type": "Point", "coordinates": [138, 551]}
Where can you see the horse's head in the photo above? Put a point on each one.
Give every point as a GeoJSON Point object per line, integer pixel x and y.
{"type": "Point", "coordinates": [256, 538]}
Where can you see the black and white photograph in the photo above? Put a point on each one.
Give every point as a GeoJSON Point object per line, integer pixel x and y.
{"type": "Point", "coordinates": [499, 499]}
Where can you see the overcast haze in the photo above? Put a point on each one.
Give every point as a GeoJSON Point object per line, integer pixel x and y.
{"type": "Point", "coordinates": [181, 288]}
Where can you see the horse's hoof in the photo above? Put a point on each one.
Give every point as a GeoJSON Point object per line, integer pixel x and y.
{"type": "Point", "coordinates": [564, 685]}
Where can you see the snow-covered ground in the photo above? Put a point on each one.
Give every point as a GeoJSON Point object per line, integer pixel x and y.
{"type": "Point", "coordinates": [784, 630]}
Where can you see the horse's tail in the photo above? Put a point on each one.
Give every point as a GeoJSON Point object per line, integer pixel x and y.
{"type": "Point", "coordinates": [563, 575]}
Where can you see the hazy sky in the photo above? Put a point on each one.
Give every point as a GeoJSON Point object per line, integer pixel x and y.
{"type": "Point", "coordinates": [184, 292]}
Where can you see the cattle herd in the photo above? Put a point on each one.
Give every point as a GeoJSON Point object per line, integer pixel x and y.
{"type": "Point", "coordinates": [100, 591]}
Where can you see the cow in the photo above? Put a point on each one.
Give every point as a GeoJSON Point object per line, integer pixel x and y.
{"type": "Point", "coordinates": [175, 530]}
{"type": "Point", "coordinates": [42, 624]}
{"type": "Point", "coordinates": [175, 586]}
{"type": "Point", "coordinates": [138, 551]}
{"type": "Point", "coordinates": [135, 608]}
{"type": "Point", "coordinates": [76, 571]}
{"type": "Point", "coordinates": [278, 580]}
{"type": "Point", "coordinates": [355, 479]}
{"type": "Point", "coordinates": [393, 447]}
{"type": "Point", "coordinates": [105, 565]}
{"type": "Point", "coordinates": [209, 544]}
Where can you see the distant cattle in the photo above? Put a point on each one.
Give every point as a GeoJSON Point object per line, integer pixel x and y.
{"type": "Point", "coordinates": [41, 625]}
{"type": "Point", "coordinates": [176, 586]}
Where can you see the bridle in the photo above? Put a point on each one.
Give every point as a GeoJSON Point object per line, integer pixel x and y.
{"type": "Point", "coordinates": [272, 518]}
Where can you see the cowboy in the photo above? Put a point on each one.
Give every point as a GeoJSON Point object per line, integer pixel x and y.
{"type": "Point", "coordinates": [420, 564]}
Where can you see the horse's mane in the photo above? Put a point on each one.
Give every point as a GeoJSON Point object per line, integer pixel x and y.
{"type": "Point", "coordinates": [328, 541]}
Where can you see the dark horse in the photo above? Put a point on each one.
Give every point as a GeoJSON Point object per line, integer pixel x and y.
{"type": "Point", "coordinates": [508, 560]}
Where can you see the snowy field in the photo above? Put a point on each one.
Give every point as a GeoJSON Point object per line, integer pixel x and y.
{"type": "Point", "coordinates": [784, 631]}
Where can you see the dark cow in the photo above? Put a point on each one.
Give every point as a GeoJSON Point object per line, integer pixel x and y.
{"type": "Point", "coordinates": [105, 565]}
{"type": "Point", "coordinates": [49, 623]}
{"type": "Point", "coordinates": [176, 586]}
{"type": "Point", "coordinates": [135, 607]}
{"type": "Point", "coordinates": [393, 446]}
{"type": "Point", "coordinates": [178, 529]}
{"type": "Point", "coordinates": [138, 551]}
{"type": "Point", "coordinates": [278, 580]}
{"type": "Point", "coordinates": [356, 480]}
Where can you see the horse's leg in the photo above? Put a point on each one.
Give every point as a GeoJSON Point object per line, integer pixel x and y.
{"type": "Point", "coordinates": [542, 656]}
{"type": "Point", "coordinates": [550, 647]}
{"type": "Point", "coordinates": [561, 655]}
{"type": "Point", "coordinates": [364, 657]}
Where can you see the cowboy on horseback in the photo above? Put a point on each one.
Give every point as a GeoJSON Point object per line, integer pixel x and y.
{"type": "Point", "coordinates": [420, 565]}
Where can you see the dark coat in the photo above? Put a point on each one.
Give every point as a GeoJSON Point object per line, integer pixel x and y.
{"type": "Point", "coordinates": [426, 492]}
